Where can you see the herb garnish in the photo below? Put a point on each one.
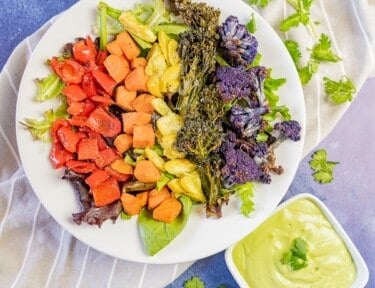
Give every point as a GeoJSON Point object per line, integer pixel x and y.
{"type": "Point", "coordinates": [322, 167]}
{"type": "Point", "coordinates": [339, 91]}
{"type": "Point", "coordinates": [296, 256]}
{"type": "Point", "coordinates": [194, 282]}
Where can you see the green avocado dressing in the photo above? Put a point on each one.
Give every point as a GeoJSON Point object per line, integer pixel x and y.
{"type": "Point", "coordinates": [258, 256]}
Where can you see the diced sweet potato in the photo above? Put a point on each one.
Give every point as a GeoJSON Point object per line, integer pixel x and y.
{"type": "Point", "coordinates": [136, 80]}
{"type": "Point", "coordinates": [131, 204]}
{"type": "Point", "coordinates": [143, 136]}
{"type": "Point", "coordinates": [134, 118]}
{"type": "Point", "coordinates": [143, 103]}
{"type": "Point", "coordinates": [123, 142]}
{"type": "Point", "coordinates": [114, 48]}
{"type": "Point", "coordinates": [121, 166]}
{"type": "Point", "coordinates": [146, 172]}
{"type": "Point", "coordinates": [117, 66]}
{"type": "Point", "coordinates": [124, 98]}
{"type": "Point", "coordinates": [155, 197]}
{"type": "Point", "coordinates": [143, 197]}
{"type": "Point", "coordinates": [138, 62]}
{"type": "Point", "coordinates": [128, 46]}
{"type": "Point", "coordinates": [168, 210]}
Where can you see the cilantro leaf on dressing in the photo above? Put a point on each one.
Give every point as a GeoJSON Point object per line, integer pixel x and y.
{"type": "Point", "coordinates": [296, 255]}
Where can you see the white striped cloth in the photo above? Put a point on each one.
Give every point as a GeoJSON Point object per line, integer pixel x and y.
{"type": "Point", "coordinates": [36, 252]}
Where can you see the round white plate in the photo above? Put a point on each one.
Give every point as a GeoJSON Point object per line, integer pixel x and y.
{"type": "Point", "coordinates": [201, 237]}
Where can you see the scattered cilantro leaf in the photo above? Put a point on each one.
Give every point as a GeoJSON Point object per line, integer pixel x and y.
{"type": "Point", "coordinates": [296, 257]}
{"type": "Point", "coordinates": [339, 91]}
{"type": "Point", "coordinates": [294, 20]}
{"type": "Point", "coordinates": [260, 3]}
{"type": "Point", "coordinates": [322, 50]}
{"type": "Point", "coordinates": [294, 51]}
{"type": "Point", "coordinates": [323, 169]}
{"type": "Point", "coordinates": [194, 282]}
{"type": "Point", "coordinates": [307, 72]}
{"type": "Point", "coordinates": [301, 16]}
{"type": "Point", "coordinates": [252, 25]}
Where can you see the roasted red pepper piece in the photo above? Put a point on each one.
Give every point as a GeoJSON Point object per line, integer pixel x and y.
{"type": "Point", "coordinates": [104, 123]}
{"type": "Point", "coordinates": [59, 155]}
{"type": "Point", "coordinates": [84, 50]}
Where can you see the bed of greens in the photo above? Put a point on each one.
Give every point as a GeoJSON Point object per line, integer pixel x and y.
{"type": "Point", "coordinates": [195, 82]}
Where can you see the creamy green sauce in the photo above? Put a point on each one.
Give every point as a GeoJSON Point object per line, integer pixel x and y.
{"type": "Point", "coordinates": [258, 256]}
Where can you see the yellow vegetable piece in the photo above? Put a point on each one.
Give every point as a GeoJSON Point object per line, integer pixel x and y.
{"type": "Point", "coordinates": [191, 184]}
{"type": "Point", "coordinates": [155, 158]}
{"type": "Point", "coordinates": [160, 106]}
{"type": "Point", "coordinates": [175, 186]}
{"type": "Point", "coordinates": [156, 63]}
{"type": "Point", "coordinates": [164, 40]}
{"type": "Point", "coordinates": [133, 26]}
{"type": "Point", "coordinates": [179, 167]}
{"type": "Point", "coordinates": [173, 58]}
{"type": "Point", "coordinates": [167, 143]}
{"type": "Point", "coordinates": [169, 124]}
{"type": "Point", "coordinates": [171, 75]}
{"type": "Point", "coordinates": [153, 86]}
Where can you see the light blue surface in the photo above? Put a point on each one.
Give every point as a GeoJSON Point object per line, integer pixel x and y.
{"type": "Point", "coordinates": [350, 197]}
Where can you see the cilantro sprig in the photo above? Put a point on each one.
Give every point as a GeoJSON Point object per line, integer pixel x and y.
{"type": "Point", "coordinates": [300, 17]}
{"type": "Point", "coordinates": [260, 3]}
{"type": "Point", "coordinates": [323, 168]}
{"type": "Point", "coordinates": [194, 282]}
{"type": "Point", "coordinates": [339, 91]}
{"type": "Point", "coordinates": [322, 51]}
{"type": "Point", "coordinates": [296, 256]}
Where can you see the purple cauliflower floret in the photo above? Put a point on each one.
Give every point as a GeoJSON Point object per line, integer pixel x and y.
{"type": "Point", "coordinates": [239, 83]}
{"type": "Point", "coordinates": [246, 121]}
{"type": "Point", "coordinates": [261, 149]}
{"type": "Point", "coordinates": [239, 167]}
{"type": "Point", "coordinates": [232, 83]}
{"type": "Point", "coordinates": [289, 129]}
{"type": "Point", "coordinates": [238, 46]}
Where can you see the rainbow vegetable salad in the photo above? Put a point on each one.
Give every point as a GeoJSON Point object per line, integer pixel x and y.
{"type": "Point", "coordinates": [167, 106]}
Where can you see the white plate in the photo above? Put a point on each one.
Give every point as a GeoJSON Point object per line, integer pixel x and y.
{"type": "Point", "coordinates": [362, 273]}
{"type": "Point", "coordinates": [201, 237]}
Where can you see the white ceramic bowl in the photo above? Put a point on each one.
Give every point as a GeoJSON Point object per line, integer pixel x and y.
{"type": "Point", "coordinates": [362, 273]}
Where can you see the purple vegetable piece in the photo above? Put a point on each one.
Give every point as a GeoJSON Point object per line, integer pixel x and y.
{"type": "Point", "coordinates": [239, 167]}
{"type": "Point", "coordinates": [238, 83]}
{"type": "Point", "coordinates": [97, 215]}
{"type": "Point", "coordinates": [289, 129]}
{"type": "Point", "coordinates": [246, 121]}
{"type": "Point", "coordinates": [238, 46]}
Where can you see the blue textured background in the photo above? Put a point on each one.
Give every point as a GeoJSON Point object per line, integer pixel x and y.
{"type": "Point", "coordinates": [351, 196]}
